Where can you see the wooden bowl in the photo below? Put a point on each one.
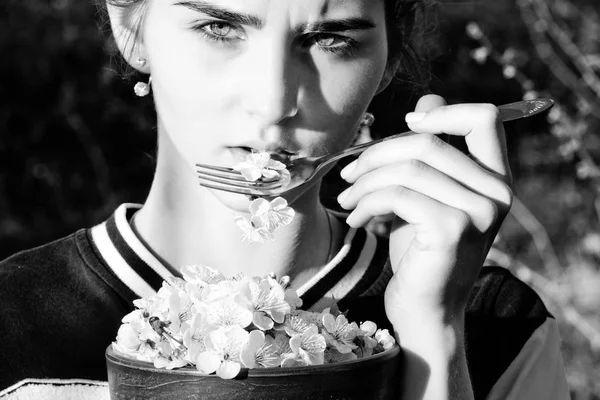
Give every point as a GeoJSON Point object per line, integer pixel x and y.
{"type": "Point", "coordinates": [374, 377]}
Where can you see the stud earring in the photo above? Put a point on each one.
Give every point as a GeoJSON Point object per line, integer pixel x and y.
{"type": "Point", "coordinates": [364, 133]}
{"type": "Point", "coordinates": [367, 120]}
{"type": "Point", "coordinates": [142, 89]}
{"type": "Point", "coordinates": [141, 61]}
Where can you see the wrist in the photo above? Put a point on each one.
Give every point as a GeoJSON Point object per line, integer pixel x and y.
{"type": "Point", "coordinates": [433, 332]}
{"type": "Point", "coordinates": [434, 357]}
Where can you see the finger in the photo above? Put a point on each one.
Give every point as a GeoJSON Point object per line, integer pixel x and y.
{"type": "Point", "coordinates": [422, 178]}
{"type": "Point", "coordinates": [480, 125]}
{"type": "Point", "coordinates": [429, 102]}
{"type": "Point", "coordinates": [434, 152]}
{"type": "Point", "coordinates": [436, 225]}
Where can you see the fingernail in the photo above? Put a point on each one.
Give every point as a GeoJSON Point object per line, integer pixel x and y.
{"type": "Point", "coordinates": [343, 196]}
{"type": "Point", "coordinates": [350, 219]}
{"type": "Point", "coordinates": [414, 117]}
{"type": "Point", "coordinates": [347, 171]}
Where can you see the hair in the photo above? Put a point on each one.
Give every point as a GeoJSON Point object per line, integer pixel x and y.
{"type": "Point", "coordinates": [406, 21]}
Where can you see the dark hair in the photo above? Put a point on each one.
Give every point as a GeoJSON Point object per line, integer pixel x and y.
{"type": "Point", "coordinates": [406, 25]}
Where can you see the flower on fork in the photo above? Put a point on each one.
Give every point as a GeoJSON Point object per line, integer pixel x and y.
{"type": "Point", "coordinates": [260, 165]}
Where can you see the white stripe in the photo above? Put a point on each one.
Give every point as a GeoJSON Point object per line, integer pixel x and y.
{"type": "Point", "coordinates": [35, 381]}
{"type": "Point", "coordinates": [331, 264]}
{"type": "Point", "coordinates": [136, 245]}
{"type": "Point", "coordinates": [349, 281]}
{"type": "Point", "coordinates": [119, 266]}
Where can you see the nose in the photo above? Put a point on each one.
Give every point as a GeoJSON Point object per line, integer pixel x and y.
{"type": "Point", "coordinates": [271, 85]}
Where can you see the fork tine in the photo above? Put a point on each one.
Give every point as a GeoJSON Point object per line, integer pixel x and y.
{"type": "Point", "coordinates": [220, 171]}
{"type": "Point", "coordinates": [238, 183]}
{"type": "Point", "coordinates": [217, 168]}
{"type": "Point", "coordinates": [227, 188]}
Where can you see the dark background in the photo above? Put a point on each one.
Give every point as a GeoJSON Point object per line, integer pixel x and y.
{"type": "Point", "coordinates": [75, 142]}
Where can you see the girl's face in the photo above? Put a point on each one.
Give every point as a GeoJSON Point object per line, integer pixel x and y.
{"type": "Point", "coordinates": [284, 76]}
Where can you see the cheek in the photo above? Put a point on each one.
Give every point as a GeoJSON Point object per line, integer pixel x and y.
{"type": "Point", "coordinates": [346, 93]}
{"type": "Point", "coordinates": [185, 82]}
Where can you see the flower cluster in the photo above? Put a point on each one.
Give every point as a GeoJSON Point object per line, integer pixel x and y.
{"type": "Point", "coordinates": [220, 325]}
{"type": "Point", "coordinates": [265, 216]}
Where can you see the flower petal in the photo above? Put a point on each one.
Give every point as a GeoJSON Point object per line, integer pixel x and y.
{"type": "Point", "coordinates": [262, 321]}
{"type": "Point", "coordinates": [229, 369]}
{"type": "Point", "coordinates": [208, 362]}
{"type": "Point", "coordinates": [251, 174]}
{"type": "Point", "coordinates": [269, 174]}
{"type": "Point", "coordinates": [259, 206]}
{"type": "Point", "coordinates": [255, 341]}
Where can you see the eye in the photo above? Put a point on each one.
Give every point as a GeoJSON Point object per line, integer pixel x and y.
{"type": "Point", "coordinates": [325, 40]}
{"type": "Point", "coordinates": [219, 31]}
{"type": "Point", "coordinates": [331, 43]}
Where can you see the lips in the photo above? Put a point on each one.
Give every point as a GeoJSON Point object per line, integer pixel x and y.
{"type": "Point", "coordinates": [241, 153]}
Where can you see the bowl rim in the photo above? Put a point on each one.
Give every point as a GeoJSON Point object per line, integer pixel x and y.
{"type": "Point", "coordinates": [113, 357]}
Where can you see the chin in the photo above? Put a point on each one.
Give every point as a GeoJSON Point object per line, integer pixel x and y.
{"type": "Point", "coordinates": [235, 202]}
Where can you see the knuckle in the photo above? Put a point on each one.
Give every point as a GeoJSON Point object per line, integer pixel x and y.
{"type": "Point", "coordinates": [414, 167]}
{"type": "Point", "coordinates": [429, 143]}
{"type": "Point", "coordinates": [490, 213]}
{"type": "Point", "coordinates": [505, 195]}
{"type": "Point", "coordinates": [399, 191]}
{"type": "Point", "coordinates": [489, 112]}
{"type": "Point", "coordinates": [457, 223]}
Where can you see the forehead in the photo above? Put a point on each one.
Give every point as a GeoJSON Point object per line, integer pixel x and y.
{"type": "Point", "coordinates": [296, 10]}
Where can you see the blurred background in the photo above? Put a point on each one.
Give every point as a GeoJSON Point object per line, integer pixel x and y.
{"type": "Point", "coordinates": [75, 142]}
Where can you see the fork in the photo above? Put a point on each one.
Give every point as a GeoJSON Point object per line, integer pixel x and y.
{"type": "Point", "coordinates": [303, 171]}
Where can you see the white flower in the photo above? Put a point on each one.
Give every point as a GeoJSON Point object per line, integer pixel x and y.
{"type": "Point", "coordinates": [271, 215]}
{"type": "Point", "coordinates": [227, 314]}
{"type": "Point", "coordinates": [251, 233]}
{"type": "Point", "coordinates": [260, 165]}
{"type": "Point", "coordinates": [260, 351]}
{"type": "Point", "coordinates": [266, 301]}
{"type": "Point", "coordinates": [309, 346]}
{"type": "Point", "coordinates": [384, 339]}
{"type": "Point", "coordinates": [223, 353]}
{"type": "Point", "coordinates": [195, 338]}
{"type": "Point", "coordinates": [265, 218]}
{"type": "Point", "coordinates": [339, 333]}
{"type": "Point", "coordinates": [201, 274]}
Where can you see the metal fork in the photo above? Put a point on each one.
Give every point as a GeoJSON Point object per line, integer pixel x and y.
{"type": "Point", "coordinates": [305, 170]}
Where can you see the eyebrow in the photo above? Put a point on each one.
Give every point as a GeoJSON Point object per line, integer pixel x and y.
{"type": "Point", "coordinates": [221, 13]}
{"type": "Point", "coordinates": [339, 25]}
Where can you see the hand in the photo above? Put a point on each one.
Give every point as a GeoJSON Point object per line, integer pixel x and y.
{"type": "Point", "coordinates": [448, 206]}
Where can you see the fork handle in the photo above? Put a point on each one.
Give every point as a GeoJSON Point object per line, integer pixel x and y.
{"type": "Point", "coordinates": [508, 112]}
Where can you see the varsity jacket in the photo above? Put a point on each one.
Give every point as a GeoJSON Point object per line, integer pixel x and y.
{"type": "Point", "coordinates": [61, 305]}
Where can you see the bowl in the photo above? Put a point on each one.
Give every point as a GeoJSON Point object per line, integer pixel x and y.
{"type": "Point", "coordinates": [374, 377]}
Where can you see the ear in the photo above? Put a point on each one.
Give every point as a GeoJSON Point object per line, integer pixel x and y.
{"type": "Point", "coordinates": [390, 71]}
{"type": "Point", "coordinates": [126, 25]}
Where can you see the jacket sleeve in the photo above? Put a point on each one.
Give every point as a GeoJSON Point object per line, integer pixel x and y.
{"type": "Point", "coordinates": [537, 373]}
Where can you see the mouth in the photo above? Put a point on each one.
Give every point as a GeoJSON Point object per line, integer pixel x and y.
{"type": "Point", "coordinates": [241, 153]}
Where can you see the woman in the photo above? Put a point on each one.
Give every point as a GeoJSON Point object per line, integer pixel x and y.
{"type": "Point", "coordinates": [295, 77]}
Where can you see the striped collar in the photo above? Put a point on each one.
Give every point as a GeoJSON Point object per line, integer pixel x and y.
{"type": "Point", "coordinates": [354, 269]}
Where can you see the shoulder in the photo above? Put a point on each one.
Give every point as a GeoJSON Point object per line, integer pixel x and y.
{"type": "Point", "coordinates": [500, 294]}
{"type": "Point", "coordinates": [37, 260]}
{"type": "Point", "coordinates": [27, 275]}
{"type": "Point", "coordinates": [56, 313]}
